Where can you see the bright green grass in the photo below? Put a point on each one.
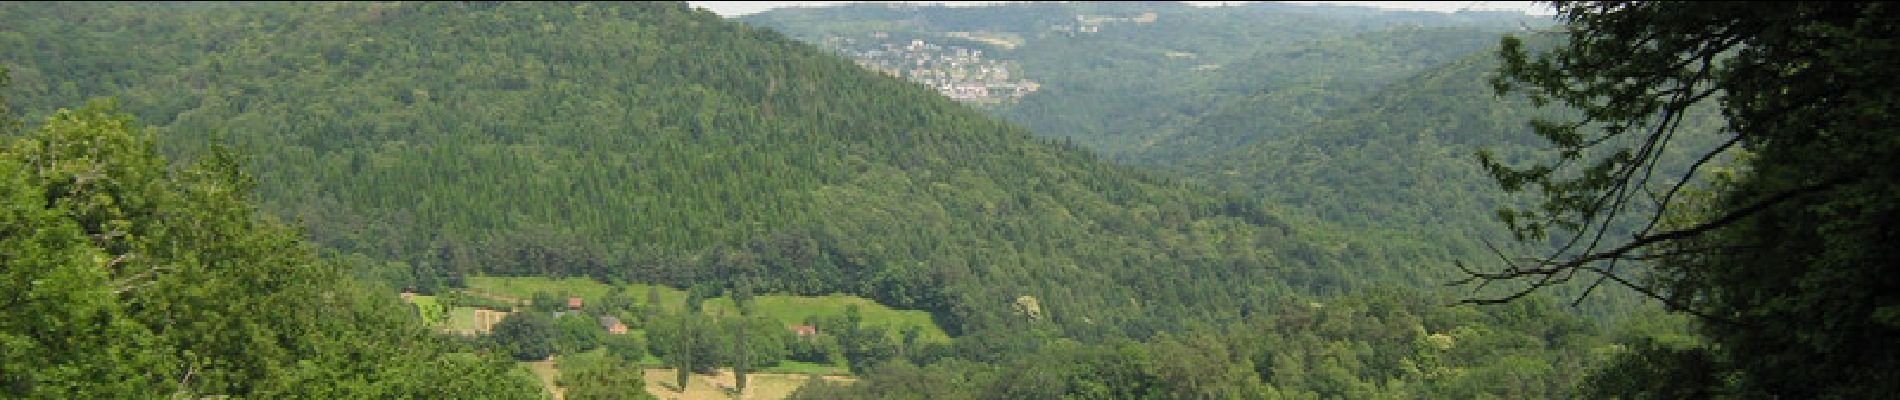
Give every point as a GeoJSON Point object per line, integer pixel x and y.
{"type": "Point", "coordinates": [793, 310]}
{"type": "Point", "coordinates": [799, 367]}
{"type": "Point", "coordinates": [431, 310]}
{"type": "Point", "coordinates": [650, 361]}
{"type": "Point", "coordinates": [525, 287]}
{"type": "Point", "coordinates": [462, 319]}
{"type": "Point", "coordinates": [797, 309]}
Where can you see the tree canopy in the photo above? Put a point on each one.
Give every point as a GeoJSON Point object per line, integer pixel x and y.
{"type": "Point", "coordinates": [423, 142]}
{"type": "Point", "coordinates": [1778, 237]}
{"type": "Point", "coordinates": [651, 142]}
{"type": "Point", "coordinates": [126, 276]}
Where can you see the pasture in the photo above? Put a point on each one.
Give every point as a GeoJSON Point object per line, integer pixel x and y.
{"type": "Point", "coordinates": [792, 310]}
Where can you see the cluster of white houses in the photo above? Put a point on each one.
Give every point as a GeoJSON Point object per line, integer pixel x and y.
{"type": "Point", "coordinates": [958, 72]}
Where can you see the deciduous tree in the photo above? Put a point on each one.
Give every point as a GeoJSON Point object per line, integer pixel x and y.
{"type": "Point", "coordinates": [1788, 264]}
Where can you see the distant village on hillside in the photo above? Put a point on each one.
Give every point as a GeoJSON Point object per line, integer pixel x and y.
{"type": "Point", "coordinates": [960, 72]}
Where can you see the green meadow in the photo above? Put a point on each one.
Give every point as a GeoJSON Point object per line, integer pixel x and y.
{"type": "Point", "coordinates": [792, 310]}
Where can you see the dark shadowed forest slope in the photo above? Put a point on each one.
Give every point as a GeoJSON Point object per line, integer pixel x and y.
{"type": "Point", "coordinates": [1397, 171]}
{"type": "Point", "coordinates": [1361, 125]}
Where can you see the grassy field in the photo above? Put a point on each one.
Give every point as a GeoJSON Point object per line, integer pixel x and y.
{"type": "Point", "coordinates": [790, 309]}
{"type": "Point", "coordinates": [465, 320]}
{"type": "Point", "coordinates": [546, 371]}
{"type": "Point", "coordinates": [461, 319]}
{"type": "Point", "coordinates": [796, 310]}
{"type": "Point", "coordinates": [801, 368]}
{"type": "Point", "coordinates": [772, 383]}
{"type": "Point", "coordinates": [525, 287]}
{"type": "Point", "coordinates": [430, 308]}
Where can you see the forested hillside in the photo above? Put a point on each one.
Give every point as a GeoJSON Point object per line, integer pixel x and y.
{"type": "Point", "coordinates": [422, 144]}
{"type": "Point", "coordinates": [125, 275]}
{"type": "Point", "coordinates": [1729, 161]}
{"type": "Point", "coordinates": [1361, 125]}
{"type": "Point", "coordinates": [1397, 171]}
{"type": "Point", "coordinates": [1144, 71]}
{"type": "Point", "coordinates": [653, 143]}
{"type": "Point", "coordinates": [1285, 91]}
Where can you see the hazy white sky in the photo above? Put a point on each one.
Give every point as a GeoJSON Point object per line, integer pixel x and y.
{"type": "Point", "coordinates": [735, 8]}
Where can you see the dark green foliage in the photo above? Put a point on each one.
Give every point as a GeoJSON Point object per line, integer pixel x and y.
{"type": "Point", "coordinates": [646, 142]}
{"type": "Point", "coordinates": [627, 348]}
{"type": "Point", "coordinates": [696, 296]}
{"type": "Point", "coordinates": [1651, 370]}
{"type": "Point", "coordinates": [766, 343]}
{"type": "Point", "coordinates": [811, 349]}
{"type": "Point", "coordinates": [1785, 259]}
{"type": "Point", "coordinates": [603, 378]}
{"type": "Point", "coordinates": [1355, 125]}
{"type": "Point", "coordinates": [651, 309]}
{"type": "Point", "coordinates": [685, 341]}
{"type": "Point", "coordinates": [547, 302]}
{"type": "Point", "coordinates": [1389, 178]}
{"type": "Point", "coordinates": [861, 345]}
{"type": "Point", "coordinates": [650, 143]}
{"type": "Point", "coordinates": [742, 357]}
{"type": "Point", "coordinates": [1388, 343]}
{"type": "Point", "coordinates": [526, 336]}
{"type": "Point", "coordinates": [577, 332]}
{"type": "Point", "coordinates": [703, 343]}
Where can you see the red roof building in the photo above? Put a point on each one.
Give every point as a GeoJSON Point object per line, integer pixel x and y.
{"type": "Point", "coordinates": [573, 303]}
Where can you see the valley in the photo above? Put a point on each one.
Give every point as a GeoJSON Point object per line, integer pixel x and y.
{"type": "Point", "coordinates": [599, 200]}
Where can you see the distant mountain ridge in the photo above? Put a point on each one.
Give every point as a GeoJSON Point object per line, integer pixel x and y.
{"type": "Point", "coordinates": [1361, 124]}
{"type": "Point", "coordinates": [1144, 71]}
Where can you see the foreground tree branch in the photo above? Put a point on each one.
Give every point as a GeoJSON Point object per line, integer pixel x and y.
{"type": "Point", "coordinates": [1787, 262]}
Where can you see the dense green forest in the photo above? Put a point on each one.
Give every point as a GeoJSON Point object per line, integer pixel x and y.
{"type": "Point", "coordinates": [653, 143]}
{"type": "Point", "coordinates": [1405, 155]}
{"type": "Point", "coordinates": [1131, 90]}
{"type": "Point", "coordinates": [1722, 155]}
{"type": "Point", "coordinates": [1780, 253]}
{"type": "Point", "coordinates": [1313, 191]}
{"type": "Point", "coordinates": [127, 275]}
{"type": "Point", "coordinates": [424, 143]}
{"type": "Point", "coordinates": [1359, 126]}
